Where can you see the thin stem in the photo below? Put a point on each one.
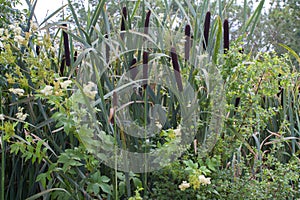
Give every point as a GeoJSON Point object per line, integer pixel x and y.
{"type": "Point", "coordinates": [3, 153]}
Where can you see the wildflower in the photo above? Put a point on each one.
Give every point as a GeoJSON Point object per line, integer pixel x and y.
{"type": "Point", "coordinates": [1, 117]}
{"type": "Point", "coordinates": [184, 185]}
{"type": "Point", "coordinates": [18, 30]}
{"type": "Point", "coordinates": [88, 89]}
{"type": "Point", "coordinates": [177, 131]}
{"type": "Point", "coordinates": [20, 115]}
{"type": "Point", "coordinates": [17, 91]}
{"type": "Point", "coordinates": [48, 90]}
{"type": "Point", "coordinates": [19, 39]}
{"type": "Point", "coordinates": [203, 180]}
{"type": "Point", "coordinates": [65, 84]}
{"type": "Point", "coordinates": [11, 27]}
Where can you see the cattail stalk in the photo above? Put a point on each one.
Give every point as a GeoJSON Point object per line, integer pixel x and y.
{"type": "Point", "coordinates": [206, 30]}
{"type": "Point", "coordinates": [226, 36]}
{"type": "Point", "coordinates": [176, 68]}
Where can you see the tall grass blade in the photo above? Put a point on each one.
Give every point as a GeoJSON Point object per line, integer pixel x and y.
{"type": "Point", "coordinates": [218, 39]}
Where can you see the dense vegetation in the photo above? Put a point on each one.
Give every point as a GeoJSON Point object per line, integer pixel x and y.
{"type": "Point", "coordinates": [85, 84]}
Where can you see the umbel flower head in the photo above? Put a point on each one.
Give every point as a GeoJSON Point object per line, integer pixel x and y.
{"type": "Point", "coordinates": [184, 185]}
{"type": "Point", "coordinates": [48, 90]}
{"type": "Point", "coordinates": [17, 91]}
{"type": "Point", "coordinates": [90, 89]}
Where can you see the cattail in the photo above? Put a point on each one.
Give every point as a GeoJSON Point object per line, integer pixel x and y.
{"type": "Point", "coordinates": [133, 69]}
{"type": "Point", "coordinates": [75, 56]}
{"type": "Point", "coordinates": [176, 68]}
{"type": "Point", "coordinates": [226, 36]}
{"type": "Point", "coordinates": [107, 49]}
{"type": "Point", "coordinates": [145, 68]}
{"type": "Point", "coordinates": [147, 21]}
{"type": "Point", "coordinates": [206, 29]}
{"type": "Point", "coordinates": [187, 44]}
{"type": "Point", "coordinates": [66, 46]}
{"type": "Point", "coordinates": [37, 50]}
{"type": "Point", "coordinates": [124, 18]}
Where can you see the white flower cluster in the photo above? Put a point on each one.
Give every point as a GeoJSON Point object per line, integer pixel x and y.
{"type": "Point", "coordinates": [203, 180]}
{"type": "Point", "coordinates": [90, 89]}
{"type": "Point", "coordinates": [184, 185]}
{"type": "Point", "coordinates": [2, 117]}
{"type": "Point", "coordinates": [48, 90]}
{"type": "Point", "coordinates": [16, 91]}
{"type": "Point", "coordinates": [65, 84]}
{"type": "Point", "coordinates": [20, 115]}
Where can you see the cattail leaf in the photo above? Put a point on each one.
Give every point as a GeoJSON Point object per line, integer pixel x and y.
{"type": "Point", "coordinates": [95, 16]}
{"type": "Point", "coordinates": [291, 51]}
{"type": "Point", "coordinates": [218, 39]}
{"type": "Point", "coordinates": [75, 18]}
{"type": "Point", "coordinates": [53, 14]}
{"type": "Point", "coordinates": [253, 19]}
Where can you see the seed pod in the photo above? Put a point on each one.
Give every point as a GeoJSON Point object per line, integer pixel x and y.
{"type": "Point", "coordinates": [187, 44]}
{"type": "Point", "coordinates": [107, 49]}
{"type": "Point", "coordinates": [66, 46]}
{"type": "Point", "coordinates": [145, 68]}
{"type": "Point", "coordinates": [124, 18]}
{"type": "Point", "coordinates": [206, 29]}
{"type": "Point", "coordinates": [176, 68]}
{"type": "Point", "coordinates": [226, 36]}
{"type": "Point", "coordinates": [147, 22]}
{"type": "Point", "coordinates": [37, 50]}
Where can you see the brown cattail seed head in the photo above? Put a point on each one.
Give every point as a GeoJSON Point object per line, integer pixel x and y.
{"type": "Point", "coordinates": [147, 22]}
{"type": "Point", "coordinates": [176, 68]}
{"type": "Point", "coordinates": [206, 29]}
{"type": "Point", "coordinates": [226, 35]}
{"type": "Point", "coordinates": [66, 46]}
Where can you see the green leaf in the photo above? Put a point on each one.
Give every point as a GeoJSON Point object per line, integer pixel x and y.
{"type": "Point", "coordinates": [218, 40]}
{"type": "Point", "coordinates": [106, 188]}
{"type": "Point", "coordinates": [104, 179]}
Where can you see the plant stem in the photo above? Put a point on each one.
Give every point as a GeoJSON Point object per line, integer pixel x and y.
{"type": "Point", "coordinates": [2, 154]}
